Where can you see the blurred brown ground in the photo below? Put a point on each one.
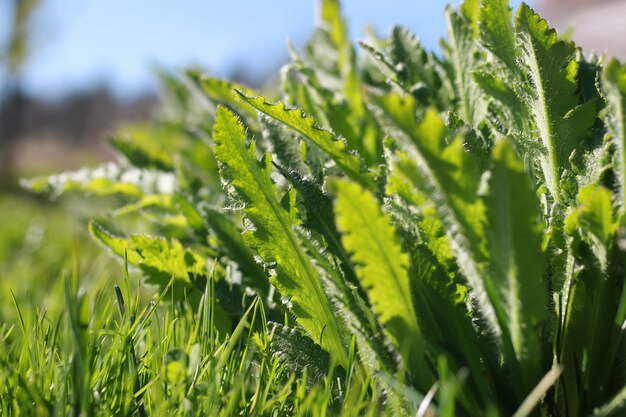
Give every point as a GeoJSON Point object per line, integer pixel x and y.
{"type": "Point", "coordinates": [67, 132]}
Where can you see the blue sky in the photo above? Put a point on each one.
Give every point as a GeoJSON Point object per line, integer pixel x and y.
{"type": "Point", "coordinates": [81, 42]}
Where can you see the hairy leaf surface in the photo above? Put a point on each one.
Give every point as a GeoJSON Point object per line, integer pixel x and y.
{"type": "Point", "coordinates": [450, 177]}
{"type": "Point", "coordinates": [464, 56]}
{"type": "Point", "coordinates": [514, 235]}
{"type": "Point", "coordinates": [273, 237]}
{"type": "Point", "coordinates": [552, 71]}
{"type": "Point", "coordinates": [381, 266]}
{"type": "Point", "coordinates": [335, 148]}
{"type": "Point", "coordinates": [614, 81]}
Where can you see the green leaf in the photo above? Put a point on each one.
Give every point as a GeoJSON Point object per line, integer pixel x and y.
{"type": "Point", "coordinates": [335, 148]}
{"type": "Point", "coordinates": [381, 266]}
{"type": "Point", "coordinates": [590, 327]}
{"type": "Point", "coordinates": [273, 237]}
{"type": "Point", "coordinates": [335, 26]}
{"type": "Point", "coordinates": [450, 177]}
{"type": "Point", "coordinates": [408, 65]}
{"type": "Point", "coordinates": [594, 218]}
{"type": "Point", "coordinates": [286, 146]}
{"type": "Point", "coordinates": [160, 258]}
{"type": "Point", "coordinates": [438, 295]}
{"type": "Point", "coordinates": [594, 313]}
{"type": "Point", "coordinates": [344, 112]}
{"type": "Point", "coordinates": [156, 201]}
{"type": "Point", "coordinates": [221, 91]}
{"type": "Point", "coordinates": [407, 55]}
{"type": "Point", "coordinates": [496, 31]}
{"type": "Point", "coordinates": [319, 210]}
{"type": "Point", "coordinates": [118, 245]}
{"type": "Point", "coordinates": [594, 213]}
{"type": "Point", "coordinates": [552, 70]}
{"type": "Point", "coordinates": [383, 64]}
{"type": "Point", "coordinates": [401, 182]}
{"type": "Point", "coordinates": [234, 246]}
{"type": "Point", "coordinates": [149, 146]}
{"type": "Point", "coordinates": [614, 84]}
{"type": "Point", "coordinates": [168, 257]}
{"type": "Point", "coordinates": [499, 89]}
{"type": "Point", "coordinates": [178, 96]}
{"type": "Point", "coordinates": [514, 235]}
{"type": "Point", "coordinates": [470, 9]}
{"type": "Point", "coordinates": [193, 216]}
{"type": "Point", "coordinates": [297, 352]}
{"type": "Point", "coordinates": [500, 75]}
{"type": "Point", "coordinates": [175, 366]}
{"type": "Point", "coordinates": [463, 56]}
{"type": "Point", "coordinates": [354, 312]}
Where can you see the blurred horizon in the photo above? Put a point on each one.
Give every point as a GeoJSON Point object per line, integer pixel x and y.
{"type": "Point", "coordinates": [88, 66]}
{"type": "Point", "coordinates": [78, 44]}
{"type": "Point", "coordinates": [88, 63]}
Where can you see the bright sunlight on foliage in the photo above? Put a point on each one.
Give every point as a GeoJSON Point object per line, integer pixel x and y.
{"type": "Point", "coordinates": [398, 232]}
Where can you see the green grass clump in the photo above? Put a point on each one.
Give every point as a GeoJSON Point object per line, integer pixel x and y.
{"type": "Point", "coordinates": [398, 231]}
{"type": "Point", "coordinates": [108, 355]}
{"type": "Point", "coordinates": [37, 240]}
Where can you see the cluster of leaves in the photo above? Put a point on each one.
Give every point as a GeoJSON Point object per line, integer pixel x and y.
{"type": "Point", "coordinates": [451, 224]}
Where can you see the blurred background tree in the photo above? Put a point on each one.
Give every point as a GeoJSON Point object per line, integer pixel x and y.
{"type": "Point", "coordinates": [15, 55]}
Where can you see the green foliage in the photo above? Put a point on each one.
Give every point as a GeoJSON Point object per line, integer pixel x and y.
{"type": "Point", "coordinates": [437, 234]}
{"type": "Point", "coordinates": [382, 269]}
{"type": "Point", "coordinates": [462, 52]}
{"type": "Point", "coordinates": [274, 238]}
{"type": "Point", "coordinates": [550, 67]}
{"type": "Point", "coordinates": [137, 359]}
{"type": "Point", "coordinates": [517, 264]}
{"type": "Point", "coordinates": [614, 82]}
{"type": "Point", "coordinates": [305, 125]}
